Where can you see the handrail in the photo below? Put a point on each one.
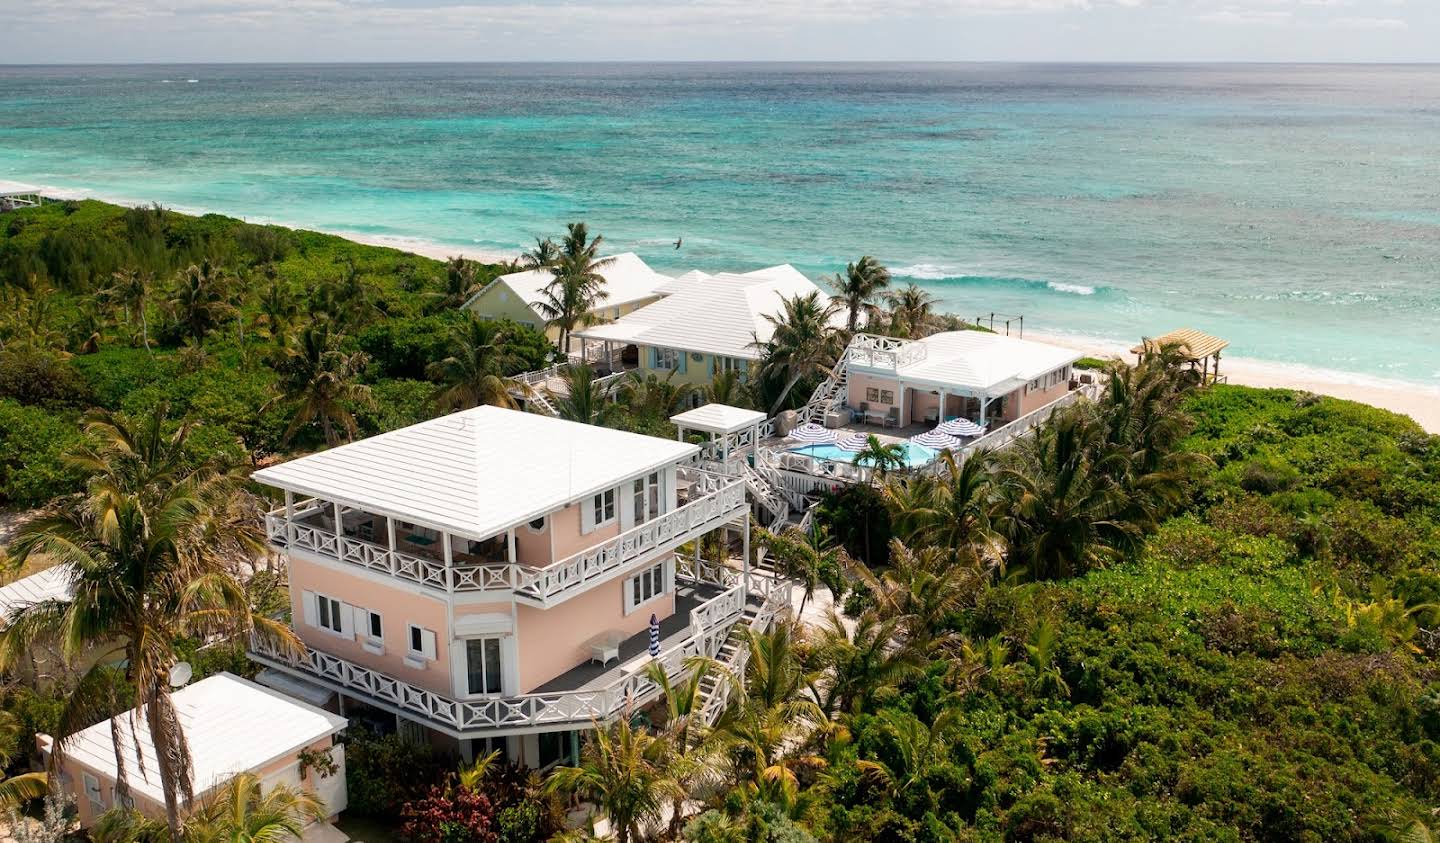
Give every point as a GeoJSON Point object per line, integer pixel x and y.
{"type": "Point", "coordinates": [578, 707]}
{"type": "Point", "coordinates": [721, 498]}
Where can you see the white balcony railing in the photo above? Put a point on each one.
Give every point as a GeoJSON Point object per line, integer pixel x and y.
{"type": "Point", "coordinates": [716, 500]}
{"type": "Point", "coordinates": [887, 353]}
{"type": "Point", "coordinates": [559, 709]}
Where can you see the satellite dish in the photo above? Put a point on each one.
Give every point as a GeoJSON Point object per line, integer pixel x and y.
{"type": "Point", "coordinates": [180, 674]}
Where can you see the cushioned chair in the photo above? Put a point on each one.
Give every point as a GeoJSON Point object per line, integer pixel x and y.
{"type": "Point", "coordinates": [892, 418]}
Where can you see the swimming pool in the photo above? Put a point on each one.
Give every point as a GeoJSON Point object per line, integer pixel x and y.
{"type": "Point", "coordinates": [915, 455]}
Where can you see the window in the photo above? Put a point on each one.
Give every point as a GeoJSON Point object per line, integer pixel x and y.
{"type": "Point", "coordinates": [92, 791]}
{"type": "Point", "coordinates": [482, 665]}
{"type": "Point", "coordinates": [373, 626]}
{"type": "Point", "coordinates": [729, 364]}
{"type": "Point", "coordinates": [644, 586]}
{"type": "Point", "coordinates": [537, 525]}
{"type": "Point", "coordinates": [422, 644]}
{"type": "Point", "coordinates": [667, 358]}
{"type": "Point", "coordinates": [647, 497]}
{"type": "Point", "coordinates": [328, 609]}
{"type": "Point", "coordinates": [557, 748]}
{"type": "Point", "coordinates": [604, 508]}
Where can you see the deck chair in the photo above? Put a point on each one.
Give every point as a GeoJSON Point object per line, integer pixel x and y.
{"type": "Point", "coordinates": [892, 417]}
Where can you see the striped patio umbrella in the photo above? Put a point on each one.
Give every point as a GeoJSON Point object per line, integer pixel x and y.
{"type": "Point", "coordinates": [854, 442]}
{"type": "Point", "coordinates": [960, 427]}
{"type": "Point", "coordinates": [654, 635]}
{"type": "Point", "coordinates": [936, 439]}
{"type": "Point", "coordinates": [811, 433]}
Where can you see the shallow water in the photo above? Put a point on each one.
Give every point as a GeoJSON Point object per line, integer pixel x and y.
{"type": "Point", "coordinates": [1292, 209]}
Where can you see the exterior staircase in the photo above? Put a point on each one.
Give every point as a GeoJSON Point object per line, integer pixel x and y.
{"type": "Point", "coordinates": [765, 491]}
{"type": "Point", "coordinates": [538, 400]}
{"type": "Point", "coordinates": [829, 393]}
{"type": "Point", "coordinates": [733, 656]}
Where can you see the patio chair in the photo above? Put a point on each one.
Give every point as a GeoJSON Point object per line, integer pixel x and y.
{"type": "Point", "coordinates": [892, 418]}
{"type": "Point", "coordinates": [859, 414]}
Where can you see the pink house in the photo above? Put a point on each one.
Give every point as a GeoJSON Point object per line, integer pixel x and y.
{"type": "Point", "coordinates": [486, 580]}
{"type": "Point", "coordinates": [988, 378]}
{"type": "Point", "coordinates": [232, 726]}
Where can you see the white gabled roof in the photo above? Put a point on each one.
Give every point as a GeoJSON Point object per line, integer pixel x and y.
{"type": "Point", "coordinates": [477, 472]}
{"type": "Point", "coordinates": [628, 279]}
{"type": "Point", "coordinates": [982, 361]}
{"type": "Point", "coordinates": [55, 583]}
{"type": "Point", "coordinates": [232, 725]}
{"type": "Point", "coordinates": [718, 418]}
{"type": "Point", "coordinates": [720, 314]}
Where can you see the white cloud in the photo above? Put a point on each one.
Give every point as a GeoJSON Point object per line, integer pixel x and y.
{"type": "Point", "coordinates": [1369, 23]}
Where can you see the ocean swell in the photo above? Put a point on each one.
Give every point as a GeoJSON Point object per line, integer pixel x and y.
{"type": "Point", "coordinates": [956, 276]}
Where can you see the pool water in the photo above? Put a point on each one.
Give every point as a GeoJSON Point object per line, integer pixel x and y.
{"type": "Point", "coordinates": [915, 455]}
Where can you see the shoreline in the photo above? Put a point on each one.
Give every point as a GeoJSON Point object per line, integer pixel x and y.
{"type": "Point", "coordinates": [1419, 401]}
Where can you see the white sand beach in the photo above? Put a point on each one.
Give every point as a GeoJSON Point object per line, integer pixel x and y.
{"type": "Point", "coordinates": [1418, 401]}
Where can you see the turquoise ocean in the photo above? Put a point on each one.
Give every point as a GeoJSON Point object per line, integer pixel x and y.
{"type": "Point", "coordinates": [1293, 209]}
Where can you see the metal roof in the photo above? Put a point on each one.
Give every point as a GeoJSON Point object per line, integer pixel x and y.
{"type": "Point", "coordinates": [231, 724]}
{"type": "Point", "coordinates": [477, 472]}
{"type": "Point", "coordinates": [979, 361]}
{"type": "Point", "coordinates": [1193, 344]}
{"type": "Point", "coordinates": [628, 279]}
{"type": "Point", "coordinates": [56, 583]}
{"type": "Point", "coordinates": [718, 418]}
{"type": "Point", "coordinates": [721, 314]}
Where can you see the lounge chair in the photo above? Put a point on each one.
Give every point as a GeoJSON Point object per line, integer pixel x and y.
{"type": "Point", "coordinates": [892, 418]}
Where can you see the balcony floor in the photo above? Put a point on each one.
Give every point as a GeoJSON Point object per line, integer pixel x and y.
{"type": "Point", "coordinates": [673, 630]}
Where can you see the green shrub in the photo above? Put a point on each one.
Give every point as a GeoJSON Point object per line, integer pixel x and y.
{"type": "Point", "coordinates": [32, 445]}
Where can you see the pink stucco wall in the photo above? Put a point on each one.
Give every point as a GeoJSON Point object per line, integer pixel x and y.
{"type": "Point", "coordinates": [565, 524]}
{"type": "Point", "coordinates": [551, 640]}
{"type": "Point", "coordinates": [532, 547]}
{"type": "Point", "coordinates": [1031, 400]}
{"type": "Point", "coordinates": [399, 606]}
{"type": "Point", "coordinates": [857, 382]}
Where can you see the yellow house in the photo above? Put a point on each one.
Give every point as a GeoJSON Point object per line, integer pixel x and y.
{"type": "Point", "coordinates": [705, 324]}
{"type": "Point", "coordinates": [629, 283]}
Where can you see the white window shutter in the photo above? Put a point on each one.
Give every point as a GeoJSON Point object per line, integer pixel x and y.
{"type": "Point", "coordinates": [587, 515]}
{"type": "Point", "coordinates": [362, 621]}
{"type": "Point", "coordinates": [307, 606]}
{"type": "Point", "coordinates": [347, 620]}
{"type": "Point", "coordinates": [427, 643]}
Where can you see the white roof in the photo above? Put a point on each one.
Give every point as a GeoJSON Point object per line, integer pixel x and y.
{"type": "Point", "coordinates": [232, 725]}
{"type": "Point", "coordinates": [54, 583]}
{"type": "Point", "coordinates": [627, 279]}
{"type": "Point", "coordinates": [477, 472]}
{"type": "Point", "coordinates": [982, 361]}
{"type": "Point", "coordinates": [718, 418]}
{"type": "Point", "coordinates": [720, 314]}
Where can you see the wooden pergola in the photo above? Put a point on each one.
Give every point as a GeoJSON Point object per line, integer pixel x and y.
{"type": "Point", "coordinates": [1196, 347]}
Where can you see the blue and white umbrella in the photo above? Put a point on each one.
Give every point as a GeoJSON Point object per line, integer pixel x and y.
{"type": "Point", "coordinates": [654, 635]}
{"type": "Point", "coordinates": [812, 434]}
{"type": "Point", "coordinates": [937, 440]}
{"type": "Point", "coordinates": [960, 427]}
{"type": "Point", "coordinates": [854, 442]}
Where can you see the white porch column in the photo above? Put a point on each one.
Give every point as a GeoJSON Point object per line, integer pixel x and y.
{"type": "Point", "coordinates": [390, 533]}
{"type": "Point", "coordinates": [510, 544]}
{"type": "Point", "coordinates": [289, 518]}
{"type": "Point", "coordinates": [941, 414]}
{"type": "Point", "coordinates": [904, 419]}
{"type": "Point", "coordinates": [447, 549]}
{"type": "Point", "coordinates": [745, 557]}
{"type": "Point", "coordinates": [339, 527]}
{"type": "Point", "coordinates": [984, 403]}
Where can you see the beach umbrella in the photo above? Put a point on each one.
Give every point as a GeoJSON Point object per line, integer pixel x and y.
{"type": "Point", "coordinates": [854, 442]}
{"type": "Point", "coordinates": [654, 635]}
{"type": "Point", "coordinates": [812, 434]}
{"type": "Point", "coordinates": [960, 427]}
{"type": "Point", "coordinates": [936, 439]}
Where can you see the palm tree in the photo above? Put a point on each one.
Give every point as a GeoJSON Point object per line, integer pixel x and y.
{"type": "Point", "coordinates": [728, 388]}
{"type": "Point", "coordinates": [131, 291]}
{"type": "Point", "coordinates": [1057, 507]}
{"type": "Point", "coordinates": [881, 456]}
{"type": "Point", "coordinates": [858, 659]}
{"type": "Point", "coordinates": [578, 285]}
{"type": "Point", "coordinates": [651, 395]}
{"type": "Point", "coordinates": [474, 373]}
{"type": "Point", "coordinates": [802, 345]}
{"type": "Point", "coordinates": [278, 310]}
{"type": "Point", "coordinates": [201, 300]}
{"type": "Point", "coordinates": [459, 281]}
{"type": "Point", "coordinates": [910, 309]}
{"type": "Point", "coordinates": [351, 300]}
{"type": "Point", "coordinates": [952, 512]}
{"type": "Point", "coordinates": [858, 288]}
{"type": "Point", "coordinates": [810, 557]}
{"type": "Point", "coordinates": [141, 579]}
{"type": "Point", "coordinates": [320, 378]}
{"type": "Point", "coordinates": [15, 790]}
{"type": "Point", "coordinates": [623, 771]}
{"type": "Point", "coordinates": [545, 254]}
{"type": "Point", "coordinates": [685, 730]}
{"type": "Point", "coordinates": [917, 749]}
{"type": "Point", "coordinates": [583, 400]}
{"type": "Point", "coordinates": [921, 588]}
{"type": "Point", "coordinates": [242, 811]}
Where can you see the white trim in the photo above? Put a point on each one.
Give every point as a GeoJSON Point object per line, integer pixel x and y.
{"type": "Point", "coordinates": [644, 579]}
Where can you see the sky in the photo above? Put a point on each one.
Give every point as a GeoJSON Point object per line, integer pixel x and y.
{"type": "Point", "coordinates": [63, 31]}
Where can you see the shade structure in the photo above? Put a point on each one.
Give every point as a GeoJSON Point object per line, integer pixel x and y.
{"type": "Point", "coordinates": [811, 434]}
{"type": "Point", "coordinates": [936, 439]}
{"type": "Point", "coordinates": [654, 635]}
{"type": "Point", "coordinates": [960, 427]}
{"type": "Point", "coordinates": [854, 442]}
